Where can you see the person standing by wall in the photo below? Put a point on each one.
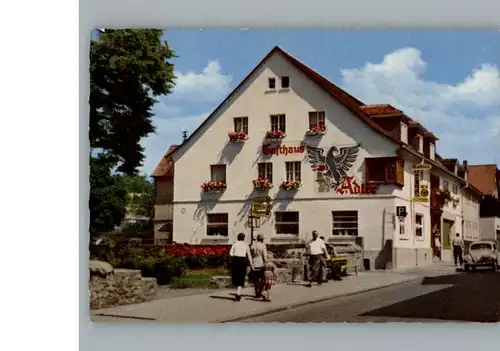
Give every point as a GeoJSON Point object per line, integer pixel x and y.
{"type": "Point", "coordinates": [458, 250]}
{"type": "Point", "coordinates": [259, 258]}
{"type": "Point", "coordinates": [240, 259]}
{"type": "Point", "coordinates": [317, 254]}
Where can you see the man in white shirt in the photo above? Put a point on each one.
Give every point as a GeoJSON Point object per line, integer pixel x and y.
{"type": "Point", "coordinates": [458, 250]}
{"type": "Point", "coordinates": [317, 254]}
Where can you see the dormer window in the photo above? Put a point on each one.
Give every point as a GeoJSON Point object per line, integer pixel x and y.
{"type": "Point", "coordinates": [432, 151]}
{"type": "Point", "coordinates": [404, 133]}
{"type": "Point", "coordinates": [420, 143]}
{"type": "Point", "coordinates": [271, 83]}
{"type": "Point", "coordinates": [285, 82]}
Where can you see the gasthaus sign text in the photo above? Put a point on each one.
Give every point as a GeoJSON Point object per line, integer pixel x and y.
{"type": "Point", "coordinates": [282, 150]}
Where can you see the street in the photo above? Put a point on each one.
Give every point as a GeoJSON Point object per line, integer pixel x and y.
{"type": "Point", "coordinates": [460, 297]}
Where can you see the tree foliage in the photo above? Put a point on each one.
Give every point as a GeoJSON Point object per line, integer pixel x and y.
{"type": "Point", "coordinates": [129, 70]}
{"type": "Point", "coordinates": [107, 200]}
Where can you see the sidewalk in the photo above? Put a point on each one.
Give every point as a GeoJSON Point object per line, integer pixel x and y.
{"type": "Point", "coordinates": [218, 306]}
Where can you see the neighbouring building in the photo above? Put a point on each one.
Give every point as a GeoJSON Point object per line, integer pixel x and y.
{"type": "Point", "coordinates": [487, 179]}
{"type": "Point", "coordinates": [163, 176]}
{"type": "Point", "coordinates": [356, 173]}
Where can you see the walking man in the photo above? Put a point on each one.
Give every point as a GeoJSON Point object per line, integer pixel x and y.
{"type": "Point", "coordinates": [458, 249]}
{"type": "Point", "coordinates": [259, 259]}
{"type": "Point", "coordinates": [317, 255]}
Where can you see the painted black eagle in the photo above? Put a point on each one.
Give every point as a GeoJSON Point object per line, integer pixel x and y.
{"type": "Point", "coordinates": [335, 165]}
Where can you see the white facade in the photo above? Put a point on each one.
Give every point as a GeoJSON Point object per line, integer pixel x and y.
{"type": "Point", "coordinates": [386, 243]}
{"type": "Point", "coordinates": [490, 228]}
{"type": "Point", "coordinates": [471, 219]}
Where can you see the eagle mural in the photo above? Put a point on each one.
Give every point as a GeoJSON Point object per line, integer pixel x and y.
{"type": "Point", "coordinates": [335, 164]}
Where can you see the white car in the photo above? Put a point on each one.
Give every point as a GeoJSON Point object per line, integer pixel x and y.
{"type": "Point", "coordinates": [482, 254]}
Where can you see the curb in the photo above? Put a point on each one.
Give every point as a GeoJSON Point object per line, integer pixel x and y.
{"type": "Point", "coordinates": [310, 302]}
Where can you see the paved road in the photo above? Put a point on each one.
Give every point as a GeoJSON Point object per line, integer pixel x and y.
{"type": "Point", "coordinates": [462, 297]}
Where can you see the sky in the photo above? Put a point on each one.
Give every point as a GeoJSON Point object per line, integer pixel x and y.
{"type": "Point", "coordinates": [448, 80]}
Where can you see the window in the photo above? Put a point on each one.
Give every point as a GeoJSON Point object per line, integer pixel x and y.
{"type": "Point", "coordinates": [316, 119]}
{"type": "Point", "coordinates": [266, 171]}
{"type": "Point", "coordinates": [384, 170]}
{"type": "Point", "coordinates": [417, 177]}
{"type": "Point", "coordinates": [241, 124]}
{"type": "Point", "coordinates": [420, 141]}
{"type": "Point", "coordinates": [404, 132]}
{"type": "Point", "coordinates": [272, 83]}
{"type": "Point", "coordinates": [419, 225]}
{"type": "Point", "coordinates": [455, 189]}
{"type": "Point", "coordinates": [285, 82]}
{"type": "Point", "coordinates": [218, 173]}
{"type": "Point", "coordinates": [278, 122]}
{"type": "Point", "coordinates": [292, 171]}
{"type": "Point", "coordinates": [345, 223]}
{"type": "Point", "coordinates": [432, 151]}
{"type": "Point", "coordinates": [217, 224]}
{"type": "Point", "coordinates": [287, 223]}
{"type": "Point", "coordinates": [446, 185]}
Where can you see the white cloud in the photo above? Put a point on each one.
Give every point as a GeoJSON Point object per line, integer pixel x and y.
{"type": "Point", "coordinates": [168, 132]}
{"type": "Point", "coordinates": [465, 116]}
{"type": "Point", "coordinates": [209, 85]}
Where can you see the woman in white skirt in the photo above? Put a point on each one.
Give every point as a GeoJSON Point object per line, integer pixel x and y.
{"type": "Point", "coordinates": [240, 259]}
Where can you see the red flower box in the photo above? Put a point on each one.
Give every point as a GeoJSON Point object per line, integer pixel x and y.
{"type": "Point", "coordinates": [290, 185]}
{"type": "Point", "coordinates": [275, 134]}
{"type": "Point", "coordinates": [214, 185]}
{"type": "Point", "coordinates": [237, 136]}
{"type": "Point", "coordinates": [316, 129]}
{"type": "Point", "coordinates": [262, 184]}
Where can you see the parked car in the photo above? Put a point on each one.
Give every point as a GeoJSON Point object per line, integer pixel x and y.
{"type": "Point", "coordinates": [482, 254]}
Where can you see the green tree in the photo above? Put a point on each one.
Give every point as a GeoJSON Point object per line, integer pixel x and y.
{"type": "Point", "coordinates": [129, 70]}
{"type": "Point", "coordinates": [141, 192]}
{"type": "Point", "coordinates": [107, 200]}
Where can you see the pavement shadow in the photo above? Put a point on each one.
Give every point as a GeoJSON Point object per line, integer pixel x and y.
{"type": "Point", "coordinates": [474, 297]}
{"type": "Point", "coordinates": [222, 297]}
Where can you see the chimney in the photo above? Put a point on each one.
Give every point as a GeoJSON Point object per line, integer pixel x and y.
{"type": "Point", "coordinates": [465, 164]}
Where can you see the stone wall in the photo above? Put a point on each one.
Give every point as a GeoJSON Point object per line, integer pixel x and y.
{"type": "Point", "coordinates": [122, 287]}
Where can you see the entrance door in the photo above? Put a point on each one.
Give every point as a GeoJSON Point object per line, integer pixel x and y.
{"type": "Point", "coordinates": [447, 225]}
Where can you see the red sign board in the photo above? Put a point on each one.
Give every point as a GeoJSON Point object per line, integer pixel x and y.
{"type": "Point", "coordinates": [282, 150]}
{"type": "Point", "coordinates": [350, 186]}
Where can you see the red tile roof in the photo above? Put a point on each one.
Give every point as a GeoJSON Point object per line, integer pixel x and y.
{"type": "Point", "coordinates": [484, 178]}
{"type": "Point", "coordinates": [354, 105]}
{"type": "Point", "coordinates": [166, 165]}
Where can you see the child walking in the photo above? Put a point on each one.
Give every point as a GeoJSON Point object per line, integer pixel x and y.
{"type": "Point", "coordinates": [269, 280]}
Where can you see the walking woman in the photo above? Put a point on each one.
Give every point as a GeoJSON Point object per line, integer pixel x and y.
{"type": "Point", "coordinates": [240, 259]}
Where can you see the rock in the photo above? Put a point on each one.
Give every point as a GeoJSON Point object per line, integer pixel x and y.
{"type": "Point", "coordinates": [100, 268]}
{"type": "Point", "coordinates": [122, 288]}
{"type": "Point", "coordinates": [221, 281]}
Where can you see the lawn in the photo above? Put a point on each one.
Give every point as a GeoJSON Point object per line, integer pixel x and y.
{"type": "Point", "coordinates": [198, 279]}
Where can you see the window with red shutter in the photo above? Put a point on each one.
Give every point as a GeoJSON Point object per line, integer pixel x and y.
{"type": "Point", "coordinates": [384, 170]}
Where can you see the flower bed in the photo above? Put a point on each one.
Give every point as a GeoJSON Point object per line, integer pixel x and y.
{"type": "Point", "coordinates": [200, 256]}
{"type": "Point", "coordinates": [214, 186]}
{"type": "Point", "coordinates": [262, 184]}
{"type": "Point", "coordinates": [316, 129]}
{"type": "Point", "coordinates": [237, 136]}
{"type": "Point", "coordinates": [275, 134]}
{"type": "Point", "coordinates": [290, 185]}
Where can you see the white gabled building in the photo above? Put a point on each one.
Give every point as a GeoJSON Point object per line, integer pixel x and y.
{"type": "Point", "coordinates": [353, 175]}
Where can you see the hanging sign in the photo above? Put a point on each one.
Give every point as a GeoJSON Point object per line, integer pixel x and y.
{"type": "Point", "coordinates": [282, 150]}
{"type": "Point", "coordinates": [421, 167]}
{"type": "Point", "coordinates": [261, 206]}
